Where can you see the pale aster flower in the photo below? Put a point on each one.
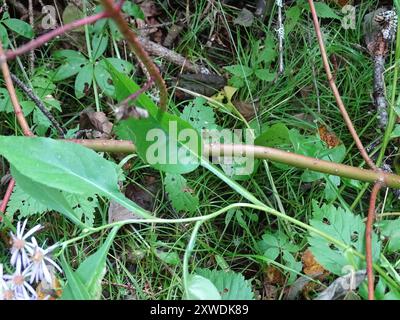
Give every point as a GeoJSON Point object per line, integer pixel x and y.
{"type": "Point", "coordinates": [18, 287]}
{"type": "Point", "coordinates": [20, 244]}
{"type": "Point", "coordinates": [40, 259]}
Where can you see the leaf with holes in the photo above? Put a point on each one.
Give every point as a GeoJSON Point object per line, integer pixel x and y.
{"type": "Point", "coordinates": [344, 226]}
{"type": "Point", "coordinates": [200, 116]}
{"type": "Point", "coordinates": [83, 80]}
{"type": "Point", "coordinates": [103, 77]}
{"type": "Point", "coordinates": [230, 285]}
{"type": "Point", "coordinates": [180, 194]}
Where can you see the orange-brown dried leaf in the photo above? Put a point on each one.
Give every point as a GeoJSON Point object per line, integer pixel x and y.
{"type": "Point", "coordinates": [328, 137]}
{"type": "Point", "coordinates": [310, 266]}
{"type": "Point", "coordinates": [273, 276]}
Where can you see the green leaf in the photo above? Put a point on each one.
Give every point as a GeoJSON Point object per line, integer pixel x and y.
{"type": "Point", "coordinates": [65, 166]}
{"type": "Point", "coordinates": [324, 11]}
{"type": "Point", "coordinates": [50, 197]}
{"type": "Point", "coordinates": [5, 101]}
{"type": "Point", "coordinates": [103, 77]}
{"type": "Point", "coordinates": [91, 272]}
{"type": "Point", "coordinates": [391, 230]}
{"type": "Point", "coordinates": [72, 13]}
{"type": "Point", "coordinates": [200, 288]}
{"type": "Point", "coordinates": [133, 10]}
{"type": "Point", "coordinates": [83, 80]}
{"type": "Point", "coordinates": [4, 36]}
{"type": "Point", "coordinates": [240, 70]}
{"type": "Point", "coordinates": [276, 135]}
{"type": "Point", "coordinates": [170, 257]}
{"type": "Point", "coordinates": [75, 290]}
{"type": "Point", "coordinates": [43, 86]}
{"type": "Point", "coordinates": [26, 205]}
{"type": "Point", "coordinates": [20, 27]}
{"type": "Point", "coordinates": [99, 45]}
{"type": "Point", "coordinates": [163, 140]}
{"type": "Point", "coordinates": [199, 116]}
{"type": "Point", "coordinates": [293, 15]}
{"type": "Point", "coordinates": [272, 244]}
{"type": "Point", "coordinates": [395, 132]}
{"type": "Point", "coordinates": [344, 226]}
{"type": "Point", "coordinates": [265, 75]}
{"type": "Point", "coordinates": [179, 193]}
{"type": "Point", "coordinates": [67, 70]}
{"type": "Point", "coordinates": [231, 285]}
{"type": "Point", "coordinates": [70, 55]}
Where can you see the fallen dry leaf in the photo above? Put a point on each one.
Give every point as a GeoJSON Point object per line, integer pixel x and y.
{"type": "Point", "coordinates": [310, 266]}
{"type": "Point", "coordinates": [247, 109]}
{"type": "Point", "coordinates": [274, 276]}
{"type": "Point", "coordinates": [328, 137]}
{"type": "Point", "coordinates": [96, 121]}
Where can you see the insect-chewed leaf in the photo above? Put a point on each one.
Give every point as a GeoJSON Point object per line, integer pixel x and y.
{"type": "Point", "coordinates": [231, 285]}
{"type": "Point", "coordinates": [344, 226]}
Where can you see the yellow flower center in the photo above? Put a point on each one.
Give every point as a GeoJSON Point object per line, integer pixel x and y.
{"type": "Point", "coordinates": [37, 257]}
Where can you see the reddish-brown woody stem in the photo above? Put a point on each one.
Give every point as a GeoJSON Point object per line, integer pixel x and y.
{"type": "Point", "coordinates": [35, 43]}
{"type": "Point", "coordinates": [368, 239]}
{"type": "Point", "coordinates": [335, 90]}
{"type": "Point", "coordinates": [138, 49]}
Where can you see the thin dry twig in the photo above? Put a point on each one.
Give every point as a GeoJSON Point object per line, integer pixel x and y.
{"type": "Point", "coordinates": [368, 239]}
{"type": "Point", "coordinates": [29, 92]}
{"type": "Point", "coordinates": [335, 90]}
{"type": "Point", "coordinates": [11, 90]}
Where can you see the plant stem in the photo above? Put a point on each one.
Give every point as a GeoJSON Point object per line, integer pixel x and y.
{"type": "Point", "coordinates": [186, 257]}
{"type": "Point", "coordinates": [137, 48]}
{"type": "Point", "coordinates": [35, 43]}
{"type": "Point", "coordinates": [392, 113]}
{"type": "Point", "coordinates": [92, 61]}
{"type": "Point", "coordinates": [296, 160]}
{"type": "Point", "coordinates": [335, 90]}
{"type": "Point", "coordinates": [368, 239]}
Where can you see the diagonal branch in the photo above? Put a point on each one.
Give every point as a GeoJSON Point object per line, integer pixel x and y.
{"type": "Point", "coordinates": [335, 90]}
{"type": "Point", "coordinates": [138, 49]}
